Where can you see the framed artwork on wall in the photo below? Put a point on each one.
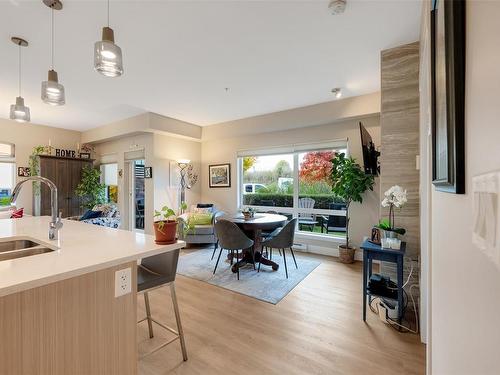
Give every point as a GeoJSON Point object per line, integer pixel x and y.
{"type": "Point", "coordinates": [448, 95]}
{"type": "Point", "coordinates": [219, 175]}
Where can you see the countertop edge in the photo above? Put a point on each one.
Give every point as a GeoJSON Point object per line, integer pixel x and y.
{"type": "Point", "coordinates": [16, 288]}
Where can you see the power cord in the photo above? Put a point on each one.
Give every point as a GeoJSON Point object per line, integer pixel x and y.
{"type": "Point", "coordinates": [394, 324]}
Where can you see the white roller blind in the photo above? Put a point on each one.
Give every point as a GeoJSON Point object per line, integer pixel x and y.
{"type": "Point", "coordinates": [134, 155]}
{"type": "Point", "coordinates": [108, 159]}
{"type": "Point", "coordinates": [299, 147]}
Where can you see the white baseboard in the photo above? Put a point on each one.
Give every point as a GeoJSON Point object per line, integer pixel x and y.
{"type": "Point", "coordinates": [324, 250]}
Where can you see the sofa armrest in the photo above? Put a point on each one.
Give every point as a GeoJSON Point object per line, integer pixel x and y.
{"type": "Point", "coordinates": [74, 218]}
{"type": "Point", "coordinates": [217, 215]}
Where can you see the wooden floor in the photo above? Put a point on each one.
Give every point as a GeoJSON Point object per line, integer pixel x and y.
{"type": "Point", "coordinates": [316, 329]}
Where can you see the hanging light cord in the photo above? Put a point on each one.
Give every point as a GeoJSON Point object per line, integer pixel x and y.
{"type": "Point", "coordinates": [52, 39]}
{"type": "Point", "coordinates": [19, 46]}
{"type": "Point", "coordinates": [108, 13]}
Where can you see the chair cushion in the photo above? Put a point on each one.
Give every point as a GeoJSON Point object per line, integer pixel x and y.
{"type": "Point", "coordinates": [90, 214]}
{"type": "Point", "coordinates": [147, 279]}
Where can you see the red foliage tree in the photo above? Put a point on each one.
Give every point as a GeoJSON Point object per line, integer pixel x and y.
{"type": "Point", "coordinates": [316, 166]}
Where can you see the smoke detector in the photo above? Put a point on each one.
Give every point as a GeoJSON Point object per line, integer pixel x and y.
{"type": "Point", "coordinates": [337, 6]}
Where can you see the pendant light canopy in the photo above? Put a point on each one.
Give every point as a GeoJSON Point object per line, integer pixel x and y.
{"type": "Point", "coordinates": [107, 55]}
{"type": "Point", "coordinates": [52, 90]}
{"type": "Point", "coordinates": [19, 111]}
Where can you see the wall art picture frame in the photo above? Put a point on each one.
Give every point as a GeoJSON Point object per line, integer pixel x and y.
{"type": "Point", "coordinates": [148, 172]}
{"type": "Point", "coordinates": [84, 155]}
{"type": "Point", "coordinates": [448, 95]}
{"type": "Point", "coordinates": [23, 171]}
{"type": "Point", "coordinates": [219, 175]}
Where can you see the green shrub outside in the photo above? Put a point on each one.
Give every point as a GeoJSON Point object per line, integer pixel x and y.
{"type": "Point", "coordinates": [322, 201]}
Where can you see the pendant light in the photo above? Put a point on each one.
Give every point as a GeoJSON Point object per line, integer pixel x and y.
{"type": "Point", "coordinates": [52, 90]}
{"type": "Point", "coordinates": [107, 55]}
{"type": "Point", "coordinates": [19, 111]}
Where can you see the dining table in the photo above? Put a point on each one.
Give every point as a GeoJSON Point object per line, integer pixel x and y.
{"type": "Point", "coordinates": [253, 228]}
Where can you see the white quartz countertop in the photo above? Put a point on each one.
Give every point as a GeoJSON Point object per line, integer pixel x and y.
{"type": "Point", "coordinates": [81, 248]}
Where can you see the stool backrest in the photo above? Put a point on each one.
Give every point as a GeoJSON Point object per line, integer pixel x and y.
{"type": "Point", "coordinates": [284, 239]}
{"type": "Point", "coordinates": [230, 236]}
{"type": "Point", "coordinates": [164, 264]}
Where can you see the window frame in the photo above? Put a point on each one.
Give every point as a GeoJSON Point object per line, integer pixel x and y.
{"type": "Point", "coordinates": [294, 210]}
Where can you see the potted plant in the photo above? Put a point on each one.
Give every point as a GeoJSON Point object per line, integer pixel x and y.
{"type": "Point", "coordinates": [349, 182]}
{"type": "Point", "coordinates": [248, 212]}
{"type": "Point", "coordinates": [394, 198]}
{"type": "Point", "coordinates": [90, 188]}
{"type": "Point", "coordinates": [165, 225]}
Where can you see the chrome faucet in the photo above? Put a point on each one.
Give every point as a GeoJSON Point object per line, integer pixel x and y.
{"type": "Point", "coordinates": [56, 223]}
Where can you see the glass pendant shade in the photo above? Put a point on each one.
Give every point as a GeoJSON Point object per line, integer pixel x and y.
{"type": "Point", "coordinates": [107, 55]}
{"type": "Point", "coordinates": [19, 111]}
{"type": "Point", "coordinates": [52, 90]}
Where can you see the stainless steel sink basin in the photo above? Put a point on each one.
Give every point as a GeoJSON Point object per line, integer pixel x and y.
{"type": "Point", "coordinates": [24, 252]}
{"type": "Point", "coordinates": [21, 248]}
{"type": "Point", "coordinates": [17, 245]}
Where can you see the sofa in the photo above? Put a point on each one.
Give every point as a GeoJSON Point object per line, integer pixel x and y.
{"type": "Point", "coordinates": [110, 216]}
{"type": "Point", "coordinates": [199, 233]}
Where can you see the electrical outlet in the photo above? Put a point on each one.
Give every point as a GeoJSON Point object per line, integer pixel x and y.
{"type": "Point", "coordinates": [123, 282]}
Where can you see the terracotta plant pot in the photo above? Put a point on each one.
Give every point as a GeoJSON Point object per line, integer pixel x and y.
{"type": "Point", "coordinates": [167, 234]}
{"type": "Point", "coordinates": [346, 254]}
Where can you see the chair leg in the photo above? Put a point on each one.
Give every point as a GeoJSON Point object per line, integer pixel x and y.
{"type": "Point", "coordinates": [279, 251]}
{"type": "Point", "coordinates": [178, 320]}
{"type": "Point", "coordinates": [218, 258]}
{"type": "Point", "coordinates": [148, 315]}
{"type": "Point", "coordinates": [260, 260]}
{"type": "Point", "coordinates": [253, 258]}
{"type": "Point", "coordinates": [293, 256]}
{"type": "Point", "coordinates": [270, 253]}
{"type": "Point", "coordinates": [284, 259]}
{"type": "Point", "coordinates": [238, 269]}
{"type": "Point", "coordinates": [215, 249]}
{"type": "Point", "coordinates": [232, 256]}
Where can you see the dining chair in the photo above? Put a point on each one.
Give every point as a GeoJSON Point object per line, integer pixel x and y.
{"type": "Point", "coordinates": [232, 238]}
{"type": "Point", "coordinates": [155, 272]}
{"type": "Point", "coordinates": [283, 240]}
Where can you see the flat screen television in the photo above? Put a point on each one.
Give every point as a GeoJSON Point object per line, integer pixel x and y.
{"type": "Point", "coordinates": [370, 153]}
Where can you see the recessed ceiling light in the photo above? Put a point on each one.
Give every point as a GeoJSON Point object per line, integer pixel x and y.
{"type": "Point", "coordinates": [337, 6]}
{"type": "Point", "coordinates": [337, 92]}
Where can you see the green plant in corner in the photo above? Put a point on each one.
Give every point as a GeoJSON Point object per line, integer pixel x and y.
{"type": "Point", "coordinates": [90, 188]}
{"type": "Point", "coordinates": [349, 182]}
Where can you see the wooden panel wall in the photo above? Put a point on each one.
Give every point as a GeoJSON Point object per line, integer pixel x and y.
{"type": "Point", "coordinates": [75, 326]}
{"type": "Point", "coordinates": [399, 129]}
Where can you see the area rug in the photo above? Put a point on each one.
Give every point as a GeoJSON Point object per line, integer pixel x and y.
{"type": "Point", "coordinates": [267, 285]}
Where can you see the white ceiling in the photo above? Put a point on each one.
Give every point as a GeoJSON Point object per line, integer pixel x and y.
{"type": "Point", "coordinates": [179, 56]}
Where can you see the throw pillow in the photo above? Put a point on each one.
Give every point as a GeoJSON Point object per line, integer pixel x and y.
{"type": "Point", "coordinates": [200, 219]}
{"type": "Point", "coordinates": [108, 210]}
{"type": "Point", "coordinates": [91, 215]}
{"type": "Point", "coordinates": [17, 214]}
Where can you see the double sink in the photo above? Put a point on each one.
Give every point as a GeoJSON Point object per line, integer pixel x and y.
{"type": "Point", "coordinates": [20, 248]}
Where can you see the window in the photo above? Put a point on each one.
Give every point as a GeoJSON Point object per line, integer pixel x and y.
{"type": "Point", "coordinates": [7, 172]}
{"type": "Point", "coordinates": [296, 184]}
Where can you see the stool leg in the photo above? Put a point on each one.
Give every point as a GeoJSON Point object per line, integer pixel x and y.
{"type": "Point", "coordinates": [178, 320]}
{"type": "Point", "coordinates": [148, 314]}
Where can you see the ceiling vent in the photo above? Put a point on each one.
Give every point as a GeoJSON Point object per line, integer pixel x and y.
{"type": "Point", "coordinates": [337, 6]}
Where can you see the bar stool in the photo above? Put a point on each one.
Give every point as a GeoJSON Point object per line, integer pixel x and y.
{"type": "Point", "coordinates": [155, 272]}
